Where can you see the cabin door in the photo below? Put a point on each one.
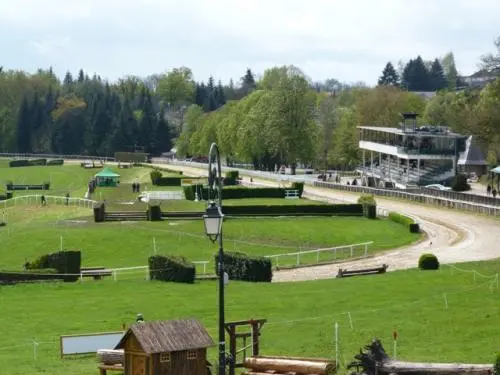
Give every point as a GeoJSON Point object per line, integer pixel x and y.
{"type": "Point", "coordinates": [139, 365]}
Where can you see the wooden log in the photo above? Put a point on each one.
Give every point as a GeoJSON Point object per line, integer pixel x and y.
{"type": "Point", "coordinates": [111, 357]}
{"type": "Point", "coordinates": [259, 364]}
{"type": "Point", "coordinates": [401, 367]}
{"type": "Point", "coordinates": [329, 360]}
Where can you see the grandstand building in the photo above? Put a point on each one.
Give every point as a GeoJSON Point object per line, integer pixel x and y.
{"type": "Point", "coordinates": [409, 155]}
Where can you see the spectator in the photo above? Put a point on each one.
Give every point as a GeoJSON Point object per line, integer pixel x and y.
{"type": "Point", "coordinates": [494, 192]}
{"type": "Point", "coordinates": [488, 190]}
{"type": "Point", "coordinates": [44, 202]}
{"type": "Point", "coordinates": [67, 199]}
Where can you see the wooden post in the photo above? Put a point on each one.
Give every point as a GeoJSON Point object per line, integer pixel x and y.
{"type": "Point", "coordinates": [232, 349]}
{"type": "Point", "coordinates": [255, 338]}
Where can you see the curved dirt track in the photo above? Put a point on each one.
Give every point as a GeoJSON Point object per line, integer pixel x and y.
{"type": "Point", "coordinates": [453, 236]}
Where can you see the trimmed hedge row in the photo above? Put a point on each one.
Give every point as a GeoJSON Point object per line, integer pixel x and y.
{"type": "Point", "coordinates": [154, 213]}
{"type": "Point", "coordinates": [369, 206]}
{"type": "Point", "coordinates": [313, 209]}
{"type": "Point", "coordinates": [158, 180]}
{"type": "Point", "coordinates": [11, 186]}
{"type": "Point", "coordinates": [232, 178]}
{"type": "Point", "coordinates": [240, 266]}
{"type": "Point", "coordinates": [405, 220]}
{"type": "Point", "coordinates": [243, 192]}
{"type": "Point", "coordinates": [6, 195]}
{"type": "Point", "coordinates": [12, 277]}
{"type": "Point", "coordinates": [34, 162]}
{"type": "Point", "coordinates": [65, 262]}
{"type": "Point", "coordinates": [190, 191]}
{"type": "Point", "coordinates": [99, 212]}
{"type": "Point", "coordinates": [176, 269]}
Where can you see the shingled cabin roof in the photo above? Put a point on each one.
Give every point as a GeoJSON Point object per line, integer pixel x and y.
{"type": "Point", "coordinates": [169, 336]}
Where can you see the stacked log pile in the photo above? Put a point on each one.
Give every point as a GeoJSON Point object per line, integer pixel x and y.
{"type": "Point", "coordinates": [288, 365]}
{"type": "Point", "coordinates": [374, 361]}
{"type": "Point", "coordinates": [110, 357]}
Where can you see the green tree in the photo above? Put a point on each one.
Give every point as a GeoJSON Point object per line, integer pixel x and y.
{"type": "Point", "coordinates": [177, 87]}
{"type": "Point", "coordinates": [491, 62]}
{"type": "Point", "coordinates": [450, 70]}
{"type": "Point", "coordinates": [248, 83]}
{"type": "Point", "coordinates": [327, 116]}
{"type": "Point", "coordinates": [437, 76]}
{"type": "Point", "coordinates": [24, 127]}
{"type": "Point", "coordinates": [389, 76]}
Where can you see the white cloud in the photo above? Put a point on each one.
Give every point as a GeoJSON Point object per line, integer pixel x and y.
{"type": "Point", "coordinates": [349, 40]}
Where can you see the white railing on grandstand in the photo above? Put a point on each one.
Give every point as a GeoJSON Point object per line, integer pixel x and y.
{"type": "Point", "coordinates": [337, 251]}
{"type": "Point", "coordinates": [145, 269]}
{"type": "Point", "coordinates": [50, 199]}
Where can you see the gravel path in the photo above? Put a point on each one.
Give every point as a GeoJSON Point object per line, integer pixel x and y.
{"type": "Point", "coordinates": [452, 236]}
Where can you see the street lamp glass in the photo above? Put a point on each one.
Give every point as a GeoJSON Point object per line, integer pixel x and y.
{"type": "Point", "coordinates": [213, 221]}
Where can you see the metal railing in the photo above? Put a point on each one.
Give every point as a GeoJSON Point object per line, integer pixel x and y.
{"type": "Point", "coordinates": [53, 156]}
{"type": "Point", "coordinates": [50, 199]}
{"type": "Point", "coordinates": [332, 254]}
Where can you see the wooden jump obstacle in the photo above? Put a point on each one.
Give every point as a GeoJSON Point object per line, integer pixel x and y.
{"type": "Point", "coordinates": [255, 326]}
{"type": "Point", "coordinates": [288, 365]}
{"type": "Point", "coordinates": [374, 361]}
{"type": "Point", "coordinates": [362, 272]}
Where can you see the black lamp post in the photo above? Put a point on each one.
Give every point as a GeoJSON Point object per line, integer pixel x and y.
{"type": "Point", "coordinates": [213, 227]}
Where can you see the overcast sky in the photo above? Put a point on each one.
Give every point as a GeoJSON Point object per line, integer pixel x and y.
{"type": "Point", "coordinates": [350, 40]}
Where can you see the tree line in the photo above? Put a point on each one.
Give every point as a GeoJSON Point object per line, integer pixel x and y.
{"type": "Point", "coordinates": [282, 118]}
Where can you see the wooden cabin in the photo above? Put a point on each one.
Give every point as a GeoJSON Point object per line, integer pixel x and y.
{"type": "Point", "coordinates": [170, 347]}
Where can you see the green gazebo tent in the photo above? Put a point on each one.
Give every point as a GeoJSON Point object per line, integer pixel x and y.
{"type": "Point", "coordinates": [495, 171]}
{"type": "Point", "coordinates": [107, 177]}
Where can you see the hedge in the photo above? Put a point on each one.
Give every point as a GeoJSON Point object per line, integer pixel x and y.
{"type": "Point", "coordinates": [369, 206]}
{"type": "Point", "coordinates": [99, 212]}
{"type": "Point", "coordinates": [243, 192]}
{"type": "Point", "coordinates": [134, 157]}
{"type": "Point", "coordinates": [65, 262]}
{"type": "Point", "coordinates": [27, 163]}
{"type": "Point", "coordinates": [175, 269]}
{"type": "Point", "coordinates": [231, 178]}
{"type": "Point", "coordinates": [56, 162]}
{"type": "Point", "coordinates": [405, 220]}
{"type": "Point", "coordinates": [154, 212]}
{"type": "Point", "coordinates": [428, 262]}
{"type": "Point", "coordinates": [313, 209]}
{"type": "Point", "coordinates": [6, 195]}
{"type": "Point", "coordinates": [240, 266]}
{"type": "Point", "coordinates": [12, 277]}
{"type": "Point", "coordinates": [10, 186]}
{"type": "Point", "coordinates": [496, 365]}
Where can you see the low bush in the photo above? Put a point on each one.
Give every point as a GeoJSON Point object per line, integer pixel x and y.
{"type": "Point", "coordinates": [369, 206]}
{"type": "Point", "coordinates": [6, 195]}
{"type": "Point", "coordinates": [413, 227]}
{"type": "Point", "coordinates": [43, 186]}
{"type": "Point", "coordinates": [459, 183]}
{"type": "Point", "coordinates": [3, 224]}
{"type": "Point", "coordinates": [155, 176]}
{"type": "Point", "coordinates": [312, 209]}
{"type": "Point", "coordinates": [240, 266]}
{"type": "Point", "coordinates": [99, 212]}
{"type": "Point", "coordinates": [65, 262]}
{"type": "Point", "coordinates": [169, 181]}
{"type": "Point", "coordinates": [19, 163]}
{"type": "Point", "coordinates": [298, 186]}
{"type": "Point", "coordinates": [243, 192]}
{"type": "Point", "coordinates": [428, 262]}
{"type": "Point", "coordinates": [176, 269]}
{"type": "Point", "coordinates": [496, 365]}
{"type": "Point", "coordinates": [154, 212]}
{"type": "Point", "coordinates": [231, 178]}
{"type": "Point", "coordinates": [12, 277]}
{"type": "Point", "coordinates": [367, 199]}
{"type": "Point", "coordinates": [56, 162]}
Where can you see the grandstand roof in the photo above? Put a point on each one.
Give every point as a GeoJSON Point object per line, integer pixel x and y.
{"type": "Point", "coordinates": [394, 130]}
{"type": "Point", "coordinates": [472, 154]}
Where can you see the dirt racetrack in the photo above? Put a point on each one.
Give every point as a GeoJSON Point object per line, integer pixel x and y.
{"type": "Point", "coordinates": [453, 236]}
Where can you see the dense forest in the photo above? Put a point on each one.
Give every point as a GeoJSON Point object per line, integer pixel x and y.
{"type": "Point", "coordinates": [283, 117]}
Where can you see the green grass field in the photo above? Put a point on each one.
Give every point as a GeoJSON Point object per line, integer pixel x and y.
{"type": "Point", "coordinates": [35, 230]}
{"type": "Point", "coordinates": [301, 316]}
